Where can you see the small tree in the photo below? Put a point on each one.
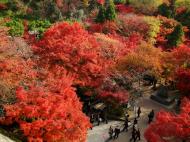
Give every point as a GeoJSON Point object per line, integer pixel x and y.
{"type": "Point", "coordinates": [101, 14]}
{"type": "Point", "coordinates": [176, 37]}
{"type": "Point", "coordinates": [110, 11]}
{"type": "Point", "coordinates": [165, 10]}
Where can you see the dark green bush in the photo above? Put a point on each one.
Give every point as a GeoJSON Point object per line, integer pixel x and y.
{"type": "Point", "coordinates": [176, 37]}
{"type": "Point", "coordinates": [119, 1]}
{"type": "Point", "coordinates": [110, 11]}
{"type": "Point", "coordinates": [101, 15]}
{"type": "Point", "coordinates": [184, 18]}
{"type": "Point", "coordinates": [165, 10]}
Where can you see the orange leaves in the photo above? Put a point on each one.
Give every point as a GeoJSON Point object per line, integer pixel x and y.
{"type": "Point", "coordinates": [168, 126]}
{"type": "Point", "coordinates": [70, 47]}
{"type": "Point", "coordinates": [143, 58]}
{"type": "Point", "coordinates": [49, 116]}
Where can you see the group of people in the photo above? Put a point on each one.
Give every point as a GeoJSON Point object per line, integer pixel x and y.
{"type": "Point", "coordinates": [99, 117]}
{"type": "Point", "coordinates": [136, 134]}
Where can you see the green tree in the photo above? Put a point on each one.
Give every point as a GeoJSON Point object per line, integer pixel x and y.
{"type": "Point", "coordinates": [110, 11]}
{"type": "Point", "coordinates": [184, 18]}
{"type": "Point", "coordinates": [16, 27]}
{"type": "Point", "coordinates": [101, 14]}
{"type": "Point", "coordinates": [119, 1]}
{"type": "Point", "coordinates": [165, 10]}
{"type": "Point", "coordinates": [176, 37]}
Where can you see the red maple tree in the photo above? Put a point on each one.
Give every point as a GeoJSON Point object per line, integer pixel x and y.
{"type": "Point", "coordinates": [50, 114]}
{"type": "Point", "coordinates": [170, 127]}
{"type": "Point", "coordinates": [72, 48]}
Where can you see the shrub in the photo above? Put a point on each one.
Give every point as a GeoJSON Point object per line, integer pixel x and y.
{"type": "Point", "coordinates": [16, 27]}
{"type": "Point", "coordinates": [101, 14]}
{"type": "Point", "coordinates": [164, 10]}
{"type": "Point", "coordinates": [146, 6]}
{"type": "Point", "coordinates": [119, 1]}
{"type": "Point", "coordinates": [53, 115]}
{"type": "Point", "coordinates": [39, 26]}
{"type": "Point", "coordinates": [176, 37]}
{"type": "Point", "coordinates": [184, 18]}
{"type": "Point", "coordinates": [110, 11]}
{"type": "Point", "coordinates": [154, 28]}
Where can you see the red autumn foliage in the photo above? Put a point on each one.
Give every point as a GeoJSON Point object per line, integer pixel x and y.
{"type": "Point", "coordinates": [166, 28]}
{"type": "Point", "coordinates": [15, 65]}
{"type": "Point", "coordinates": [101, 2]}
{"type": "Point", "coordinates": [49, 114]}
{"type": "Point", "coordinates": [119, 96]}
{"type": "Point", "coordinates": [72, 48]}
{"type": "Point", "coordinates": [183, 81]}
{"type": "Point", "coordinates": [106, 27]}
{"type": "Point", "coordinates": [169, 127]}
{"type": "Point", "coordinates": [2, 6]}
{"type": "Point", "coordinates": [181, 56]}
{"type": "Point", "coordinates": [133, 24]}
{"type": "Point", "coordinates": [122, 8]}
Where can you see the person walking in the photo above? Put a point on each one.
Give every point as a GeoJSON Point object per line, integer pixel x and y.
{"type": "Point", "coordinates": [105, 117]}
{"type": "Point", "coordinates": [138, 112]}
{"type": "Point", "coordinates": [98, 119]}
{"type": "Point", "coordinates": [91, 120]}
{"type": "Point", "coordinates": [117, 132]}
{"type": "Point", "coordinates": [138, 134]}
{"type": "Point", "coordinates": [111, 132]}
{"type": "Point", "coordinates": [133, 138]}
{"type": "Point", "coordinates": [126, 125]}
{"type": "Point", "coordinates": [135, 121]}
{"type": "Point", "coordinates": [151, 116]}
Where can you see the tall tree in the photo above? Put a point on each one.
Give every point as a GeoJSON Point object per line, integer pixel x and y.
{"type": "Point", "coordinates": [69, 46]}
{"type": "Point", "coordinates": [176, 37]}
{"type": "Point", "coordinates": [101, 14]}
{"type": "Point", "coordinates": [110, 11]}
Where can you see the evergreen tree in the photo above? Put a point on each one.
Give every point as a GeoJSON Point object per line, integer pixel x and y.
{"type": "Point", "coordinates": [101, 14]}
{"type": "Point", "coordinates": [165, 10]}
{"type": "Point", "coordinates": [110, 11]}
{"type": "Point", "coordinates": [173, 7]}
{"type": "Point", "coordinates": [176, 37]}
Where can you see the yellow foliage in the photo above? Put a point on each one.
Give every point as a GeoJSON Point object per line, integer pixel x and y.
{"type": "Point", "coordinates": [143, 58]}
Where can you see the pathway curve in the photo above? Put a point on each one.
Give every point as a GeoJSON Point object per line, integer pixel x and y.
{"type": "Point", "coordinates": [5, 139]}
{"type": "Point", "coordinates": [100, 133]}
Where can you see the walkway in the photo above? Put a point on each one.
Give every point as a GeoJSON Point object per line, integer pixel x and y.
{"type": "Point", "coordinates": [5, 139]}
{"type": "Point", "coordinates": [100, 133]}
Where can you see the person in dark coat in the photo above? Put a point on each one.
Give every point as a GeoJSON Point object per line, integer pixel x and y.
{"type": "Point", "coordinates": [138, 134]}
{"type": "Point", "coordinates": [117, 132]}
{"type": "Point", "coordinates": [151, 116]}
{"type": "Point", "coordinates": [105, 117]}
{"type": "Point", "coordinates": [91, 120]}
{"type": "Point", "coordinates": [111, 132]}
{"type": "Point", "coordinates": [134, 138]}
{"type": "Point", "coordinates": [135, 121]}
{"type": "Point", "coordinates": [139, 112]}
{"type": "Point", "coordinates": [98, 119]}
{"type": "Point", "coordinates": [126, 125]}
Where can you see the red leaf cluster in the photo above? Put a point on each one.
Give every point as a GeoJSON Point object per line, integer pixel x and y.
{"type": "Point", "coordinates": [169, 127]}
{"type": "Point", "coordinates": [183, 81]}
{"type": "Point", "coordinates": [49, 114]}
{"type": "Point", "coordinates": [122, 8]}
{"type": "Point", "coordinates": [72, 48]}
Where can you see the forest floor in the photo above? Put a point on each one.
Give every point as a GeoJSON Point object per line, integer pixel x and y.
{"type": "Point", "coordinates": [100, 133]}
